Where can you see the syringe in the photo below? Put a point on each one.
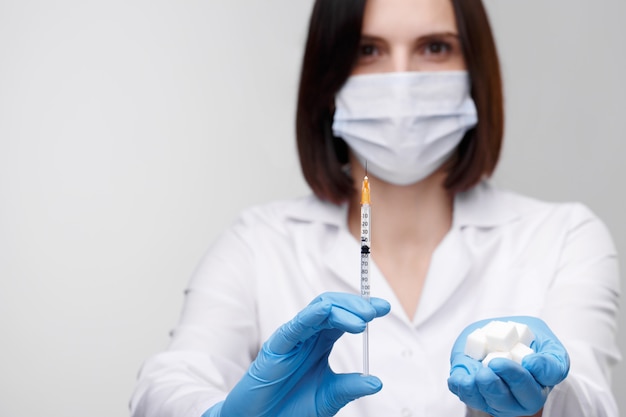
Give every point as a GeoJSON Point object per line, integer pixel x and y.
{"type": "Point", "coordinates": [365, 262]}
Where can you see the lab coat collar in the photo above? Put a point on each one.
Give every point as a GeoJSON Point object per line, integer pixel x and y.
{"type": "Point", "coordinates": [481, 206]}
{"type": "Point", "coordinates": [312, 209]}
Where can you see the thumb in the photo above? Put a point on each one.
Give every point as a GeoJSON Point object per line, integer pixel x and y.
{"type": "Point", "coordinates": [343, 389]}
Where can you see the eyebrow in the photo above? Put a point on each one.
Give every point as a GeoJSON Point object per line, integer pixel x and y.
{"type": "Point", "coordinates": [440, 35]}
{"type": "Point", "coordinates": [433, 35]}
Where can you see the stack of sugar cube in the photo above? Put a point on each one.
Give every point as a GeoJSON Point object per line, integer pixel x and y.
{"type": "Point", "coordinates": [500, 339]}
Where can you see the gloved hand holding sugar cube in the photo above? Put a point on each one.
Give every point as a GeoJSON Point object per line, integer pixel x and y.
{"type": "Point", "coordinates": [519, 386]}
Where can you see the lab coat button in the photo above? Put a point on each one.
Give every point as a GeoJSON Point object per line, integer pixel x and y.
{"type": "Point", "coordinates": [406, 412]}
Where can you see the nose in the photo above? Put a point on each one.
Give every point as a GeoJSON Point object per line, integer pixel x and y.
{"type": "Point", "coordinates": [401, 59]}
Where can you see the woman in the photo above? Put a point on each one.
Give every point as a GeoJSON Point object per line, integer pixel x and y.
{"type": "Point", "coordinates": [412, 89]}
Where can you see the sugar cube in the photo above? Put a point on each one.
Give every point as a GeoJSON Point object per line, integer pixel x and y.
{"type": "Point", "coordinates": [519, 351]}
{"type": "Point", "coordinates": [524, 333]}
{"type": "Point", "coordinates": [501, 336]}
{"type": "Point", "coordinates": [476, 345]}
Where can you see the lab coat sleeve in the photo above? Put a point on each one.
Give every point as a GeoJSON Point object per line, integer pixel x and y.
{"type": "Point", "coordinates": [215, 340]}
{"type": "Point", "coordinates": [582, 309]}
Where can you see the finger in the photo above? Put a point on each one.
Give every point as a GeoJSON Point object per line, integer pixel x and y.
{"type": "Point", "coordinates": [352, 318]}
{"type": "Point", "coordinates": [341, 311]}
{"type": "Point", "coordinates": [547, 368]}
{"type": "Point", "coordinates": [551, 363]}
{"type": "Point", "coordinates": [528, 393]}
{"type": "Point", "coordinates": [495, 391]}
{"type": "Point", "coordinates": [462, 380]}
{"type": "Point", "coordinates": [464, 387]}
{"type": "Point", "coordinates": [345, 320]}
{"type": "Point", "coordinates": [343, 389]}
{"type": "Point", "coordinates": [357, 305]}
{"type": "Point", "coordinates": [306, 323]}
{"type": "Point", "coordinates": [341, 320]}
{"type": "Point", "coordinates": [382, 307]}
{"type": "Point", "coordinates": [460, 362]}
{"type": "Point", "coordinates": [462, 371]}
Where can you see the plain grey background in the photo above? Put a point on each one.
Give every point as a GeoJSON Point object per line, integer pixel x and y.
{"type": "Point", "coordinates": [132, 132]}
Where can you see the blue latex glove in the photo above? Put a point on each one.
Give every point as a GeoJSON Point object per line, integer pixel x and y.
{"type": "Point", "coordinates": [506, 388]}
{"type": "Point", "coordinates": [291, 376]}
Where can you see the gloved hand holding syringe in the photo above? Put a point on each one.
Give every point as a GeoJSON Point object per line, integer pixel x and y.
{"type": "Point", "coordinates": [291, 375]}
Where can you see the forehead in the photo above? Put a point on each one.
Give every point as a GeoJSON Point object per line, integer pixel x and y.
{"type": "Point", "coordinates": [413, 18]}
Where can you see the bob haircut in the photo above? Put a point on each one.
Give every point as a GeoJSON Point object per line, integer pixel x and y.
{"type": "Point", "coordinates": [330, 53]}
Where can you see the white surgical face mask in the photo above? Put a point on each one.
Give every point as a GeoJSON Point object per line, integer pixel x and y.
{"type": "Point", "coordinates": [406, 124]}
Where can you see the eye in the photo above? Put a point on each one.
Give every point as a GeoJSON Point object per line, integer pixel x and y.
{"type": "Point", "coordinates": [437, 48]}
{"type": "Point", "coordinates": [440, 49]}
{"type": "Point", "coordinates": [367, 49]}
{"type": "Point", "coordinates": [368, 53]}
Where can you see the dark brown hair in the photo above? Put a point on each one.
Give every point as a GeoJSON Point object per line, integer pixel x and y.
{"type": "Point", "coordinates": [330, 53]}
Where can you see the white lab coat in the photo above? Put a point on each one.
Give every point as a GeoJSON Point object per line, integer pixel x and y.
{"type": "Point", "coordinates": [504, 255]}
